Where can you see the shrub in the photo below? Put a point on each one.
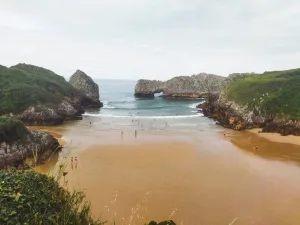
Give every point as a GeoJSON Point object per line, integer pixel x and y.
{"type": "Point", "coordinates": [27, 197]}
{"type": "Point", "coordinates": [11, 130]}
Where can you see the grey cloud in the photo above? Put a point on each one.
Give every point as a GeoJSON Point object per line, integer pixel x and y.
{"type": "Point", "coordinates": [151, 38]}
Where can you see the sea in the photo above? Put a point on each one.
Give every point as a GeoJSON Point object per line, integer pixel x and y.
{"type": "Point", "coordinates": [120, 107]}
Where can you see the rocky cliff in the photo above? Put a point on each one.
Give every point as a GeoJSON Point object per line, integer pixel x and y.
{"type": "Point", "coordinates": [87, 86]}
{"type": "Point", "coordinates": [231, 115]}
{"type": "Point", "coordinates": [183, 86]}
{"type": "Point", "coordinates": [38, 96]}
{"type": "Point", "coordinates": [269, 100]}
{"type": "Point", "coordinates": [234, 116]}
{"type": "Point", "coordinates": [17, 144]}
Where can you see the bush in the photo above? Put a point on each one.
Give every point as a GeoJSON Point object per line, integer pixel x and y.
{"type": "Point", "coordinates": [27, 197]}
{"type": "Point", "coordinates": [11, 130]}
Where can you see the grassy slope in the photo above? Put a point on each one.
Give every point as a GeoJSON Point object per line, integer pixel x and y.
{"type": "Point", "coordinates": [24, 85]}
{"type": "Point", "coordinates": [27, 197]}
{"type": "Point", "coordinates": [276, 92]}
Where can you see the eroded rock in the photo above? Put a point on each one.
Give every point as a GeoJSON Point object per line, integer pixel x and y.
{"type": "Point", "coordinates": [86, 85]}
{"type": "Point", "coordinates": [183, 86]}
{"type": "Point", "coordinates": [13, 154]}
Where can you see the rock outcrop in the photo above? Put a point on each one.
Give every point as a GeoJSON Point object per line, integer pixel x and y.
{"type": "Point", "coordinates": [183, 86]}
{"type": "Point", "coordinates": [86, 85]}
{"type": "Point", "coordinates": [43, 97]}
{"type": "Point", "coordinates": [68, 109]}
{"type": "Point", "coordinates": [13, 152]}
{"type": "Point", "coordinates": [231, 115]}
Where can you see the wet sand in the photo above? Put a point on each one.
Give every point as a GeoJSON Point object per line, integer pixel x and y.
{"type": "Point", "coordinates": [200, 179]}
{"type": "Point", "coordinates": [275, 137]}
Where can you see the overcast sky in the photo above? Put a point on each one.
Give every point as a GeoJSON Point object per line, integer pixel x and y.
{"type": "Point", "coordinates": [155, 39]}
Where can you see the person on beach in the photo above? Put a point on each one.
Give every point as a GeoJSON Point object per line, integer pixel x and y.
{"type": "Point", "coordinates": [72, 166]}
{"type": "Point", "coordinates": [90, 123]}
{"type": "Point", "coordinates": [255, 147]}
{"type": "Point", "coordinates": [75, 162]}
{"type": "Point", "coordinates": [166, 124]}
{"type": "Point", "coordinates": [122, 133]}
{"type": "Point", "coordinates": [135, 133]}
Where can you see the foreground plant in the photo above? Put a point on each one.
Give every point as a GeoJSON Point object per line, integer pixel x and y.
{"type": "Point", "coordinates": [27, 197]}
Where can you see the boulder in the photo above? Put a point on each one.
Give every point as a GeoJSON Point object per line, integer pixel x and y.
{"type": "Point", "coordinates": [87, 86]}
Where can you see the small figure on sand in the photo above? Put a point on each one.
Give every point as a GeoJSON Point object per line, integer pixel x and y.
{"type": "Point", "coordinates": [72, 166]}
{"type": "Point", "coordinates": [75, 162]}
{"type": "Point", "coordinates": [226, 134]}
{"type": "Point", "coordinates": [90, 124]}
{"type": "Point", "coordinates": [255, 147]}
{"type": "Point", "coordinates": [122, 133]}
{"type": "Point", "coordinates": [166, 124]}
{"type": "Point", "coordinates": [135, 133]}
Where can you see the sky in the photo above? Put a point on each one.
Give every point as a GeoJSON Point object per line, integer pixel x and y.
{"type": "Point", "coordinates": [151, 39]}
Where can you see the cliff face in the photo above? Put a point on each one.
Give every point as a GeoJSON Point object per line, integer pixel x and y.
{"type": "Point", "coordinates": [231, 115]}
{"type": "Point", "coordinates": [86, 85]}
{"type": "Point", "coordinates": [234, 116]}
{"type": "Point", "coordinates": [14, 149]}
{"type": "Point", "coordinates": [183, 86]}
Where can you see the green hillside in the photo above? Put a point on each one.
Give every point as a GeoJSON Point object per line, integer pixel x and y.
{"type": "Point", "coordinates": [276, 93]}
{"type": "Point", "coordinates": [25, 85]}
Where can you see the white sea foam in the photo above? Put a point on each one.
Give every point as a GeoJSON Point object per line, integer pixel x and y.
{"type": "Point", "coordinates": [107, 106]}
{"type": "Point", "coordinates": [194, 105]}
{"type": "Point", "coordinates": [144, 117]}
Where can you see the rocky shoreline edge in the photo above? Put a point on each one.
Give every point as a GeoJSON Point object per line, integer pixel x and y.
{"type": "Point", "coordinates": [233, 116]}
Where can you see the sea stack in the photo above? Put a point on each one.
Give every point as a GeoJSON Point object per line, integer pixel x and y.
{"type": "Point", "coordinates": [195, 86]}
{"type": "Point", "coordinates": [87, 86]}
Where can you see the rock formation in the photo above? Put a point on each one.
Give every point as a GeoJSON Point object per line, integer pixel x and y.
{"type": "Point", "coordinates": [14, 150]}
{"type": "Point", "coordinates": [231, 115]}
{"type": "Point", "coordinates": [86, 85]}
{"type": "Point", "coordinates": [183, 86]}
{"type": "Point", "coordinates": [43, 97]}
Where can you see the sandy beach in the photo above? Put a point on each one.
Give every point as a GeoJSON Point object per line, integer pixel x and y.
{"type": "Point", "coordinates": [192, 179]}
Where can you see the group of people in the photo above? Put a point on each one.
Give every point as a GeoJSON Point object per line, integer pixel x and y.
{"type": "Point", "coordinates": [122, 134]}
{"type": "Point", "coordinates": [74, 159]}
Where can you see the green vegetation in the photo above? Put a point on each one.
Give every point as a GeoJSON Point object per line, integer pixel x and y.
{"type": "Point", "coordinates": [11, 130]}
{"type": "Point", "coordinates": [27, 197]}
{"type": "Point", "coordinates": [274, 93]}
{"type": "Point", "coordinates": [23, 85]}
